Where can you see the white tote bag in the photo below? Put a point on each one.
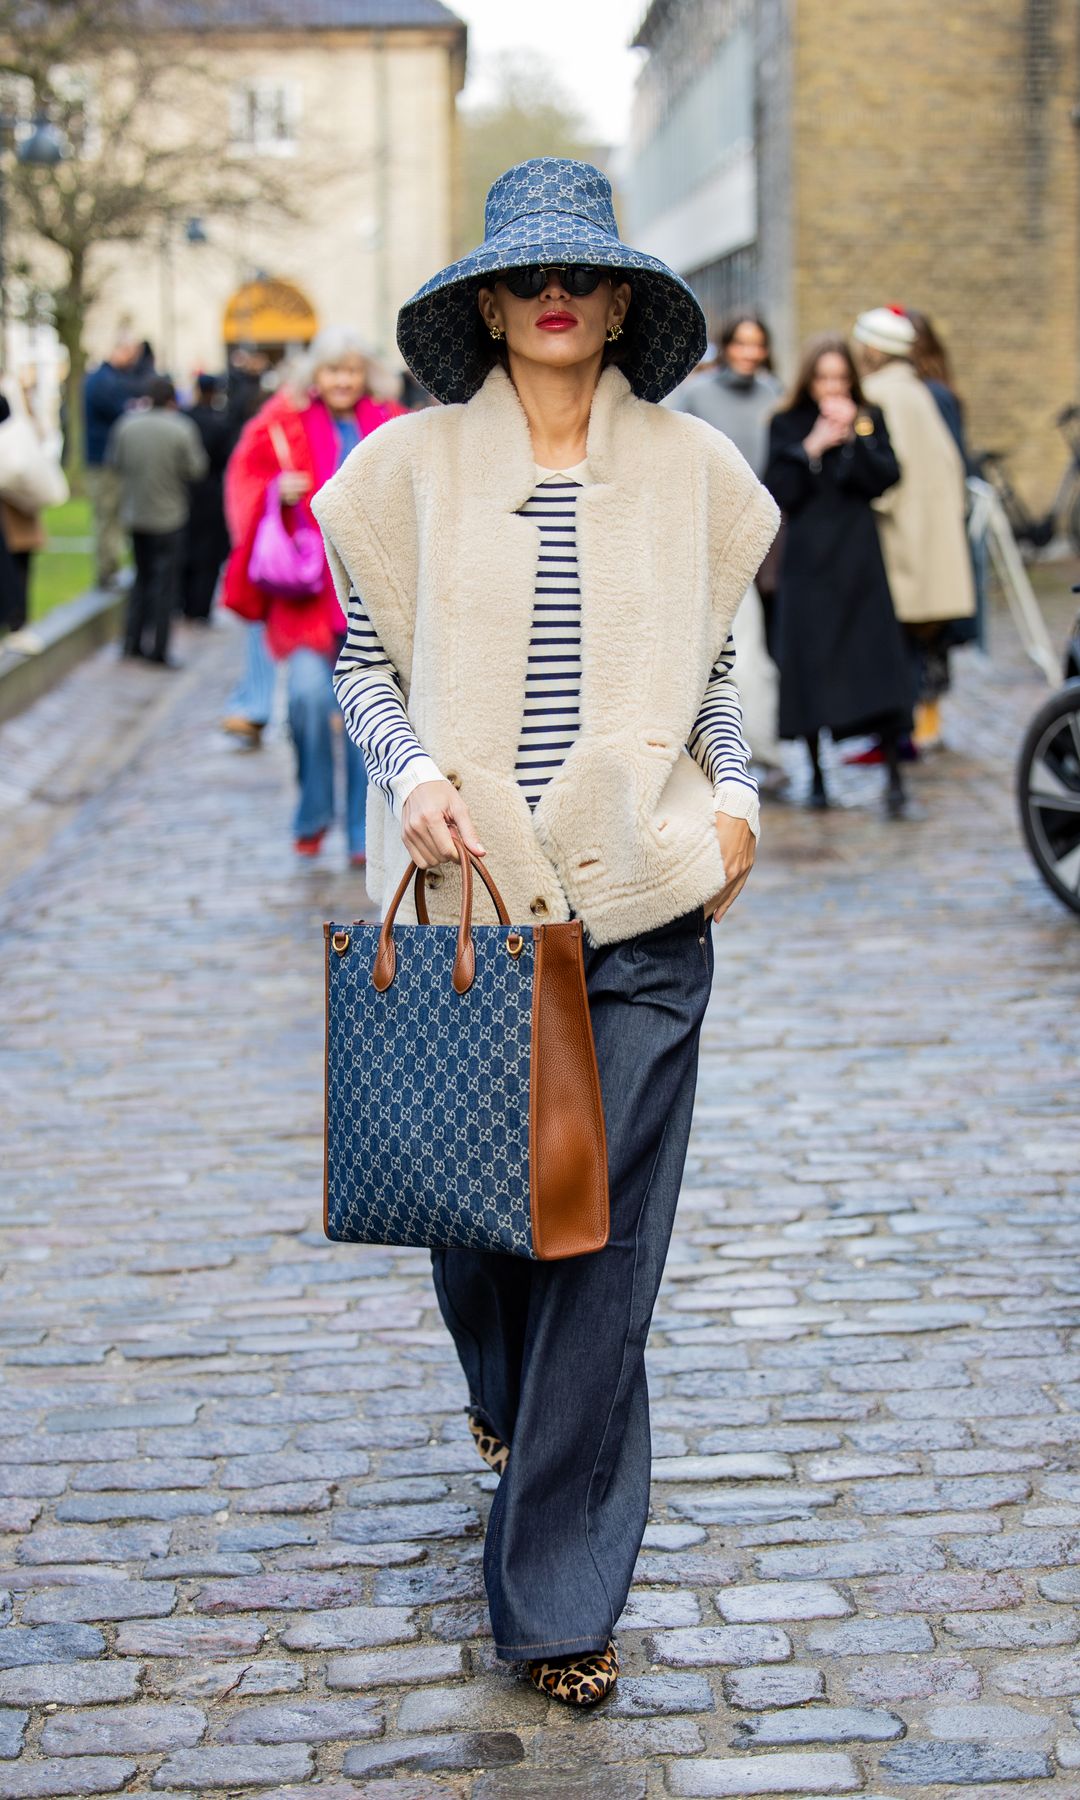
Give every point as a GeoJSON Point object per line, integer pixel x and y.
{"type": "Point", "coordinates": [30, 478]}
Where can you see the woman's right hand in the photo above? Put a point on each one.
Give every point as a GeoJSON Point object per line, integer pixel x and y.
{"type": "Point", "coordinates": [293, 484]}
{"type": "Point", "coordinates": [825, 434]}
{"type": "Point", "coordinates": [832, 427]}
{"type": "Point", "coordinates": [426, 818]}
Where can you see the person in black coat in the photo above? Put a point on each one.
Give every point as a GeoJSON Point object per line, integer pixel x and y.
{"type": "Point", "coordinates": [843, 663]}
{"type": "Point", "coordinates": [207, 541]}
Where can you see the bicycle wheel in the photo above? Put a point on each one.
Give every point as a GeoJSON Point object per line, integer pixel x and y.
{"type": "Point", "coordinates": [1048, 792]}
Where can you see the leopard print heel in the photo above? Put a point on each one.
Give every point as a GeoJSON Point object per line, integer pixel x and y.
{"type": "Point", "coordinates": [580, 1680]}
{"type": "Point", "coordinates": [491, 1448]}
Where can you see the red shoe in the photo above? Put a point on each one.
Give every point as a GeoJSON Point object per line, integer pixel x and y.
{"type": "Point", "coordinates": [865, 758]}
{"type": "Point", "coordinates": [310, 846]}
{"type": "Point", "coordinates": [358, 859]}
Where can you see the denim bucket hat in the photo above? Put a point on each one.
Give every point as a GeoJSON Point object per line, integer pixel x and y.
{"type": "Point", "coordinates": [550, 211]}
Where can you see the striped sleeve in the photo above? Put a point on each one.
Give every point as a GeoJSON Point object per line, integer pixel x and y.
{"type": "Point", "coordinates": [369, 693]}
{"type": "Point", "coordinates": [717, 743]}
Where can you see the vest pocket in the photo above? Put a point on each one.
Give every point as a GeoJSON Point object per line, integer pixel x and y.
{"type": "Point", "coordinates": [684, 807]}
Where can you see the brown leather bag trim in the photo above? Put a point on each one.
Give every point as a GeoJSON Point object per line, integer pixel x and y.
{"type": "Point", "coordinates": [568, 1176]}
{"type": "Point", "coordinates": [465, 956]}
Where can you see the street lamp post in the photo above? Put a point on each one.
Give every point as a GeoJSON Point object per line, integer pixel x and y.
{"type": "Point", "coordinates": [195, 234]}
{"type": "Point", "coordinates": [42, 149]}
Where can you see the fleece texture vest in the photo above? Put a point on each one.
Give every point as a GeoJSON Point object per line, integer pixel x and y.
{"type": "Point", "coordinates": [422, 520]}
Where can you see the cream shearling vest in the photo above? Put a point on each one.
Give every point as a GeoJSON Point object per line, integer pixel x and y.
{"type": "Point", "coordinates": [422, 520]}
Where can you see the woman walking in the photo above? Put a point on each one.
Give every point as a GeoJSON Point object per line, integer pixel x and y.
{"type": "Point", "coordinates": [739, 394]}
{"type": "Point", "coordinates": [285, 454]}
{"type": "Point", "coordinates": [922, 518]}
{"type": "Point", "coordinates": [843, 664]}
{"type": "Point", "coordinates": [933, 365]}
{"type": "Point", "coordinates": [547, 565]}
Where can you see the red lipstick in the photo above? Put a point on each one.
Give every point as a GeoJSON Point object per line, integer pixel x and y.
{"type": "Point", "coordinates": [556, 321]}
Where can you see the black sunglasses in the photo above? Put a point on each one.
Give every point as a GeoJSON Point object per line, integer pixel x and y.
{"type": "Point", "coordinates": [579, 280]}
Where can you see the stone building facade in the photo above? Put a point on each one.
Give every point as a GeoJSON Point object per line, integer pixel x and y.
{"type": "Point", "coordinates": [861, 151]}
{"type": "Point", "coordinates": [353, 102]}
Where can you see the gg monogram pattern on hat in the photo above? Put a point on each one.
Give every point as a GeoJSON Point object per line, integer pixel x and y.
{"type": "Point", "coordinates": [550, 210]}
{"type": "Point", "coordinates": [405, 1083]}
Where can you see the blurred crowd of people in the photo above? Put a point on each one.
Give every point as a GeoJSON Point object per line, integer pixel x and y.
{"type": "Point", "coordinates": [846, 631]}
{"type": "Point", "coordinates": [155, 471]}
{"type": "Point", "coordinates": [213, 496]}
{"type": "Point", "coordinates": [848, 628]}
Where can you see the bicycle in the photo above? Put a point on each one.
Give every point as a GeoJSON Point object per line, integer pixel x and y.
{"type": "Point", "coordinates": [1064, 515]}
{"type": "Point", "coordinates": [1048, 783]}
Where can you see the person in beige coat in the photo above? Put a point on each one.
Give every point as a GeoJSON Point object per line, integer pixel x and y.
{"type": "Point", "coordinates": [922, 519]}
{"type": "Point", "coordinates": [22, 526]}
{"type": "Point", "coordinates": [540, 576]}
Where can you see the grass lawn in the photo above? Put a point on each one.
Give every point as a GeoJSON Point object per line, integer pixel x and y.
{"type": "Point", "coordinates": [65, 568]}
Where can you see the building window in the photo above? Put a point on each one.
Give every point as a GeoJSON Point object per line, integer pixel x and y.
{"type": "Point", "coordinates": [706, 126]}
{"type": "Point", "coordinates": [264, 118]}
{"type": "Point", "coordinates": [731, 282]}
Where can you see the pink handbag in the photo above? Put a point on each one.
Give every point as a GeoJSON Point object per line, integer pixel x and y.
{"type": "Point", "coordinates": [288, 564]}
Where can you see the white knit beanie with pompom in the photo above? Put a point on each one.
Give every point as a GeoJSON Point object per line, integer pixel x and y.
{"type": "Point", "coordinates": [886, 328]}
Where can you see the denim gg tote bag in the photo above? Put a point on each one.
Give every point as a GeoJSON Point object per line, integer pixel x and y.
{"type": "Point", "coordinates": [462, 1095]}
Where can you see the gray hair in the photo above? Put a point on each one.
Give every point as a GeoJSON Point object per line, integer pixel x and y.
{"type": "Point", "coordinates": [331, 345]}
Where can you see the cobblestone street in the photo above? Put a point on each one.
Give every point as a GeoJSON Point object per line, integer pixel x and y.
{"type": "Point", "coordinates": [240, 1515]}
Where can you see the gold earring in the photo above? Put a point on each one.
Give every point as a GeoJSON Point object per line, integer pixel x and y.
{"type": "Point", "coordinates": [614, 333]}
{"type": "Point", "coordinates": [497, 332]}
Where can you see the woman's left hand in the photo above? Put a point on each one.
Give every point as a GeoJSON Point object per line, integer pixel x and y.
{"type": "Point", "coordinates": [738, 847]}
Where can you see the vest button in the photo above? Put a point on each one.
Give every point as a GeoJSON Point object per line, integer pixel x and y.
{"type": "Point", "coordinates": [434, 880]}
{"type": "Point", "coordinates": [454, 780]}
{"type": "Point", "coordinates": [538, 905]}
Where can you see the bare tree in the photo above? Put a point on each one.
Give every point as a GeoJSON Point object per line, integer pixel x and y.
{"type": "Point", "coordinates": [133, 89]}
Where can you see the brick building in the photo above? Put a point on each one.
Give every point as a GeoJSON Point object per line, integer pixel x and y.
{"type": "Point", "coordinates": [820, 157]}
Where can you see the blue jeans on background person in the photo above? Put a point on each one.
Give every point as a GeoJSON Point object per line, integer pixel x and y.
{"type": "Point", "coordinates": [253, 696]}
{"type": "Point", "coordinates": [554, 1352]}
{"type": "Point", "coordinates": [312, 707]}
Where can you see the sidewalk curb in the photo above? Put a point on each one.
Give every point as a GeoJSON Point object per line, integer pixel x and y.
{"type": "Point", "coordinates": [79, 810]}
{"type": "Point", "coordinates": [67, 634]}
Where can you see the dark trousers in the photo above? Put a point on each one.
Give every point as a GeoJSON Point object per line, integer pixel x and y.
{"type": "Point", "coordinates": [554, 1353]}
{"type": "Point", "coordinates": [152, 598]}
{"type": "Point", "coordinates": [206, 546]}
{"type": "Point", "coordinates": [201, 569]}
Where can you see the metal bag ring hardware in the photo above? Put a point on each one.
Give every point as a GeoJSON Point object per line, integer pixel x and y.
{"type": "Point", "coordinates": [515, 943]}
{"type": "Point", "coordinates": [340, 941]}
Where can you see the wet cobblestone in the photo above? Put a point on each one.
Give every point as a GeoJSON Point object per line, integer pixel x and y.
{"type": "Point", "coordinates": [239, 1511]}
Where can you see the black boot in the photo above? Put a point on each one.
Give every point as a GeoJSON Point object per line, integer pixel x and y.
{"type": "Point", "coordinates": [819, 799]}
{"type": "Point", "coordinates": [897, 803]}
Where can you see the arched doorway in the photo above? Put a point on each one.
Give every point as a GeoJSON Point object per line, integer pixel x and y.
{"type": "Point", "coordinates": [271, 317]}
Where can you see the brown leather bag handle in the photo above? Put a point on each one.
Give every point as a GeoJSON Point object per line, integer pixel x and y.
{"type": "Point", "coordinates": [464, 957]}
{"type": "Point", "coordinates": [420, 894]}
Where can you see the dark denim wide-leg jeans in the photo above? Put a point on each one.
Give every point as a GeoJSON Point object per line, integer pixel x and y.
{"type": "Point", "coordinates": [554, 1352]}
